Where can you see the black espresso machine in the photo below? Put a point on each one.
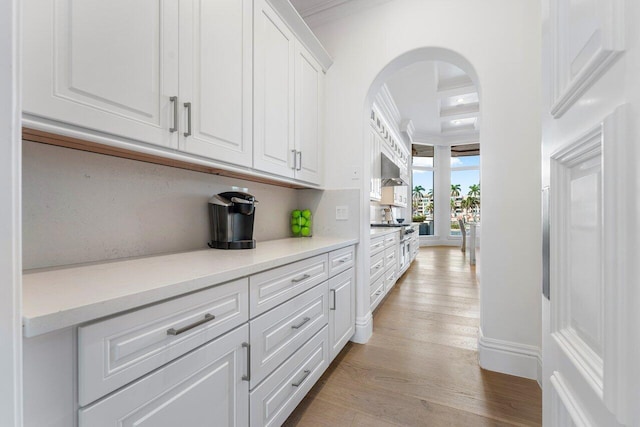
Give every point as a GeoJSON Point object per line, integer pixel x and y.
{"type": "Point", "coordinates": [231, 216]}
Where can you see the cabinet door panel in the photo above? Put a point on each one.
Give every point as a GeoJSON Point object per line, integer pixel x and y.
{"type": "Point", "coordinates": [274, 50]}
{"type": "Point", "coordinates": [89, 64]}
{"type": "Point", "coordinates": [308, 116]}
{"type": "Point", "coordinates": [215, 76]}
{"type": "Point", "coordinates": [342, 316]}
{"type": "Point", "coordinates": [203, 388]}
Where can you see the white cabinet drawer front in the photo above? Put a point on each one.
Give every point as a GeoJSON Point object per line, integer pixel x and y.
{"type": "Point", "coordinates": [377, 267]}
{"type": "Point", "coordinates": [116, 351]}
{"type": "Point", "coordinates": [376, 292]}
{"type": "Point", "coordinates": [390, 241]}
{"type": "Point", "coordinates": [389, 278]}
{"type": "Point", "coordinates": [274, 400]}
{"type": "Point", "coordinates": [276, 335]}
{"type": "Point", "coordinates": [377, 245]}
{"type": "Point", "coordinates": [276, 286]}
{"type": "Point", "coordinates": [390, 257]}
{"type": "Point", "coordinates": [341, 260]}
{"type": "Point", "coordinates": [203, 388]}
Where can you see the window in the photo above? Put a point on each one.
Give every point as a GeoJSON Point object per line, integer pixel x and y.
{"type": "Point", "coordinates": [422, 194]}
{"type": "Point", "coordinates": [465, 187]}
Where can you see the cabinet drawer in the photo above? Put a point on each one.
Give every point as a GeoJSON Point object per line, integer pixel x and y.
{"type": "Point", "coordinates": [341, 260]}
{"type": "Point", "coordinates": [116, 351]}
{"type": "Point", "coordinates": [274, 400]}
{"type": "Point", "coordinates": [276, 335]}
{"type": "Point", "coordinates": [389, 279]}
{"type": "Point", "coordinates": [377, 245]}
{"type": "Point", "coordinates": [205, 386]}
{"type": "Point", "coordinates": [376, 292]}
{"type": "Point", "coordinates": [276, 286]}
{"type": "Point", "coordinates": [390, 240]}
{"type": "Point", "coordinates": [377, 267]}
{"type": "Point", "coordinates": [390, 257]}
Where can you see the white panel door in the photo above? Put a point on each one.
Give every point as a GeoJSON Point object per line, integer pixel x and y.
{"type": "Point", "coordinates": [309, 90]}
{"type": "Point", "coordinates": [215, 78]}
{"type": "Point", "coordinates": [273, 76]}
{"type": "Point", "coordinates": [342, 310]}
{"type": "Point", "coordinates": [108, 66]}
{"type": "Point", "coordinates": [590, 322]}
{"type": "Point", "coordinates": [202, 389]}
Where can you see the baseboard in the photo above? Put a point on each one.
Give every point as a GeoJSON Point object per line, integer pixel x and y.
{"type": "Point", "coordinates": [364, 329]}
{"type": "Point", "coordinates": [511, 358]}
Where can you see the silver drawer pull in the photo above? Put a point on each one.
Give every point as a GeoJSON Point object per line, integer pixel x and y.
{"type": "Point", "coordinates": [307, 372]}
{"type": "Point", "coordinates": [300, 279]}
{"type": "Point", "coordinates": [377, 267]}
{"type": "Point", "coordinates": [342, 261]}
{"type": "Point", "coordinates": [333, 292]}
{"type": "Point", "coordinates": [299, 325]}
{"type": "Point", "coordinates": [207, 318]}
{"type": "Point", "coordinates": [248, 347]}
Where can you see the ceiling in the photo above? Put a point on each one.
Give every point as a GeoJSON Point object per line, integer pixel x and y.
{"type": "Point", "coordinates": [318, 12]}
{"type": "Point", "coordinates": [440, 100]}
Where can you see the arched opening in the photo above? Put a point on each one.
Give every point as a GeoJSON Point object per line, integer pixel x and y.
{"type": "Point", "coordinates": [408, 59]}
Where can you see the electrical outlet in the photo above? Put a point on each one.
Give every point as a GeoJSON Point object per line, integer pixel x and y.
{"type": "Point", "coordinates": [342, 213]}
{"type": "Point", "coordinates": [355, 173]}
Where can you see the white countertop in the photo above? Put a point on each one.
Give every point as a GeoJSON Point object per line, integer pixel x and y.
{"type": "Point", "coordinates": [58, 298]}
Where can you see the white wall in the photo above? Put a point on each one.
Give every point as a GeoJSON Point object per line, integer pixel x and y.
{"type": "Point", "coordinates": [83, 207]}
{"type": "Point", "coordinates": [501, 41]}
{"type": "Point", "coordinates": [10, 266]}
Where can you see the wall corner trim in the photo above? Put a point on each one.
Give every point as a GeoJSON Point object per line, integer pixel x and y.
{"type": "Point", "coordinates": [364, 329]}
{"type": "Point", "coordinates": [507, 357]}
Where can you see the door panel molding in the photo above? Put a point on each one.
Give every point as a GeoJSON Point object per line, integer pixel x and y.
{"type": "Point", "coordinates": [576, 68]}
{"type": "Point", "coordinates": [606, 152]}
{"type": "Point", "coordinates": [566, 410]}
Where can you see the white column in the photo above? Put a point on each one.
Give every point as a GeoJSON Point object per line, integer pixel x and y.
{"type": "Point", "coordinates": [10, 216]}
{"type": "Point", "coordinates": [442, 191]}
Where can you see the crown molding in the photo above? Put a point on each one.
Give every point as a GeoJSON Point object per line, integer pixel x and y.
{"type": "Point", "coordinates": [407, 127]}
{"type": "Point", "coordinates": [450, 91]}
{"type": "Point", "coordinates": [333, 10]}
{"type": "Point", "coordinates": [387, 106]}
{"type": "Point", "coordinates": [301, 29]}
{"type": "Point", "coordinates": [460, 111]}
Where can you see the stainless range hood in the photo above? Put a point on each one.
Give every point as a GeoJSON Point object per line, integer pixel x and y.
{"type": "Point", "coordinates": [390, 173]}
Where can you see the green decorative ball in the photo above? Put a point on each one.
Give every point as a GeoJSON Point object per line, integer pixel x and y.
{"type": "Point", "coordinates": [305, 231]}
{"type": "Point", "coordinates": [306, 213]}
{"type": "Point", "coordinates": [295, 229]}
{"type": "Point", "coordinates": [295, 214]}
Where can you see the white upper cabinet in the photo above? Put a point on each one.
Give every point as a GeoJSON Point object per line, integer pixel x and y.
{"type": "Point", "coordinates": [288, 101]}
{"type": "Point", "coordinates": [109, 66]}
{"type": "Point", "coordinates": [309, 90]}
{"type": "Point", "coordinates": [215, 79]}
{"type": "Point", "coordinates": [274, 69]}
{"type": "Point", "coordinates": [375, 192]}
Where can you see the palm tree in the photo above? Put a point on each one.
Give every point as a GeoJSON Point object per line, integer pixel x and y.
{"type": "Point", "coordinates": [474, 190]}
{"type": "Point", "coordinates": [417, 192]}
{"type": "Point", "coordinates": [430, 207]}
{"type": "Point", "coordinates": [430, 194]}
{"type": "Point", "coordinates": [455, 190]}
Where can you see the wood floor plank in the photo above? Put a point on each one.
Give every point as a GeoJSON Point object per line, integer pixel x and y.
{"type": "Point", "coordinates": [420, 366]}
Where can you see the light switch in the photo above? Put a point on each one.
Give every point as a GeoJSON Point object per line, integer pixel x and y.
{"type": "Point", "coordinates": [342, 213]}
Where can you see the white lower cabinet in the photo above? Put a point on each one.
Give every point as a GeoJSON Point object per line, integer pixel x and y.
{"type": "Point", "coordinates": [202, 388]}
{"type": "Point", "coordinates": [274, 400]}
{"type": "Point", "coordinates": [342, 316]}
{"type": "Point", "coordinates": [277, 334]}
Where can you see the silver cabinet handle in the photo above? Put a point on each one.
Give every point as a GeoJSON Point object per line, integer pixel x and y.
{"type": "Point", "coordinates": [248, 347]}
{"type": "Point", "coordinates": [299, 325]}
{"type": "Point", "coordinates": [207, 318]}
{"type": "Point", "coordinates": [187, 105]}
{"type": "Point", "coordinates": [342, 261]}
{"type": "Point", "coordinates": [295, 159]}
{"type": "Point", "coordinates": [299, 162]}
{"type": "Point", "coordinates": [300, 279]}
{"type": "Point", "coordinates": [333, 293]}
{"type": "Point", "coordinates": [301, 380]}
{"type": "Point", "coordinates": [174, 100]}
{"type": "Point", "coordinates": [378, 267]}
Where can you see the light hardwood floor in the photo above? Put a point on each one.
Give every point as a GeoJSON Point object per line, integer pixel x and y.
{"type": "Point", "coordinates": [420, 366]}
